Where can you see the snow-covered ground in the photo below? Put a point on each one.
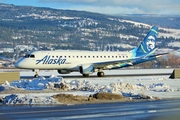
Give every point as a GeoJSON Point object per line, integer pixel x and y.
{"type": "Point", "coordinates": [130, 86]}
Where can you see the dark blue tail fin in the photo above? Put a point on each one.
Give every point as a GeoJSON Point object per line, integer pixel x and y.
{"type": "Point", "coordinates": [148, 45]}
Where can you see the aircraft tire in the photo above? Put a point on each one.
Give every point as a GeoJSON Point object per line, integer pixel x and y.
{"type": "Point", "coordinates": [100, 74]}
{"type": "Point", "coordinates": [85, 75]}
{"type": "Point", "coordinates": [36, 76]}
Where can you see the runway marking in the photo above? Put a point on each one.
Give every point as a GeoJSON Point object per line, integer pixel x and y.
{"type": "Point", "coordinates": [45, 111]}
{"type": "Point", "coordinates": [75, 109]}
{"type": "Point", "coordinates": [103, 115]}
{"type": "Point", "coordinates": [96, 115]}
{"type": "Point", "coordinates": [114, 114]}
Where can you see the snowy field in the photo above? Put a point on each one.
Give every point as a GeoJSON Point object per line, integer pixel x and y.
{"type": "Point", "coordinates": [132, 87]}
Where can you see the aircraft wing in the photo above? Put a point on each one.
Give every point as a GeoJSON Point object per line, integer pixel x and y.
{"type": "Point", "coordinates": [126, 62]}
{"type": "Point", "coordinates": [111, 64]}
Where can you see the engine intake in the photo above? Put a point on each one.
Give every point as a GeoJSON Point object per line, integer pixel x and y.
{"type": "Point", "coordinates": [63, 71]}
{"type": "Point", "coordinates": [86, 69]}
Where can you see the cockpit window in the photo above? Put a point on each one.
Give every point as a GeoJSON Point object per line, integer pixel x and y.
{"type": "Point", "coordinates": [26, 56]}
{"type": "Point", "coordinates": [32, 56]}
{"type": "Point", "coordinates": [29, 56]}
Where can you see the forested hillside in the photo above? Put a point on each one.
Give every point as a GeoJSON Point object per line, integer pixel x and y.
{"type": "Point", "coordinates": [67, 29]}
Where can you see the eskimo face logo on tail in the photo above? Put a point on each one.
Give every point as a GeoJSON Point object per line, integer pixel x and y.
{"type": "Point", "coordinates": [51, 60]}
{"type": "Point", "coordinates": [150, 43]}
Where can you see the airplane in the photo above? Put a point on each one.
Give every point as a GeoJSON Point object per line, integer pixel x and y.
{"type": "Point", "coordinates": [88, 62]}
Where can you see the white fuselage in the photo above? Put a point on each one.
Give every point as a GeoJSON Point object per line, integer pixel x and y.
{"type": "Point", "coordinates": [69, 60]}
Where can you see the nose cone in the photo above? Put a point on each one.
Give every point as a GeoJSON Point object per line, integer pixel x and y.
{"type": "Point", "coordinates": [19, 64]}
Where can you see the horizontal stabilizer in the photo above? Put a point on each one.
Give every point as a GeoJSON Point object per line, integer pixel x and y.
{"type": "Point", "coordinates": [130, 63]}
{"type": "Point", "coordinates": [158, 54]}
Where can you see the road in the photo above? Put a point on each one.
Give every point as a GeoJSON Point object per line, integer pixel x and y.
{"type": "Point", "coordinates": [94, 76]}
{"type": "Point", "coordinates": [28, 74]}
{"type": "Point", "coordinates": [148, 110]}
{"type": "Point", "coordinates": [108, 73]}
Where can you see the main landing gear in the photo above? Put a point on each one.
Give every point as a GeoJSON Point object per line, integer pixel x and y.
{"type": "Point", "coordinates": [100, 74]}
{"type": "Point", "coordinates": [85, 75]}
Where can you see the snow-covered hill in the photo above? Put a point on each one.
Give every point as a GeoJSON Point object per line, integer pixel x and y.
{"type": "Point", "coordinates": [48, 28]}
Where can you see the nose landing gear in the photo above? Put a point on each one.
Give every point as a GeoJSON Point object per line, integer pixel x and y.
{"type": "Point", "coordinates": [36, 73]}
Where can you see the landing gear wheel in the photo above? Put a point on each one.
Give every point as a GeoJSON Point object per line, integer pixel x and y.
{"type": "Point", "coordinates": [36, 76]}
{"type": "Point", "coordinates": [100, 74]}
{"type": "Point", "coordinates": [85, 75]}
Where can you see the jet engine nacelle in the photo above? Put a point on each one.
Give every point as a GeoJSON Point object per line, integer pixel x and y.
{"type": "Point", "coordinates": [63, 71]}
{"type": "Point", "coordinates": [86, 69]}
